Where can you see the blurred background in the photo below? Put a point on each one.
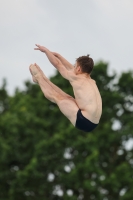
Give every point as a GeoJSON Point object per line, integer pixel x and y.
{"type": "Point", "coordinates": [42, 155]}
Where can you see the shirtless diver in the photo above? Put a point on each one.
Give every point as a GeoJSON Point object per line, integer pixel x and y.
{"type": "Point", "coordinates": [83, 111]}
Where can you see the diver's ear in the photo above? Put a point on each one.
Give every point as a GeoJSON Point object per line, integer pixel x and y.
{"type": "Point", "coordinates": [79, 70]}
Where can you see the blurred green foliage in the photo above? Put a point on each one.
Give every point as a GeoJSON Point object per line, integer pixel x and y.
{"type": "Point", "coordinates": [42, 156]}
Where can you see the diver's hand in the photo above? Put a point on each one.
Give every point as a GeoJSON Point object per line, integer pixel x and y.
{"type": "Point", "coordinates": [40, 48]}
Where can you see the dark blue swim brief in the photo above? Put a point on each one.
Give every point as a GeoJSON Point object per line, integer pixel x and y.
{"type": "Point", "coordinates": [84, 124]}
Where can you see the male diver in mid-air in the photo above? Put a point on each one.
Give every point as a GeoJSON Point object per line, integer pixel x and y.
{"type": "Point", "coordinates": [83, 111]}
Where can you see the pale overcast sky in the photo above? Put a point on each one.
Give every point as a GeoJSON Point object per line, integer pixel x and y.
{"type": "Point", "coordinates": [101, 28]}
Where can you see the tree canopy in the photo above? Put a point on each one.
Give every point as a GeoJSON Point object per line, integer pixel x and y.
{"type": "Point", "coordinates": [42, 156]}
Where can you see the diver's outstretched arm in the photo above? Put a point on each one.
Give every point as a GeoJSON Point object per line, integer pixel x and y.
{"type": "Point", "coordinates": [68, 74]}
{"type": "Point", "coordinates": [52, 59]}
{"type": "Point", "coordinates": [68, 65]}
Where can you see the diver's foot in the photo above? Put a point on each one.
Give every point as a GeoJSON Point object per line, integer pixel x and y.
{"type": "Point", "coordinates": [35, 72]}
